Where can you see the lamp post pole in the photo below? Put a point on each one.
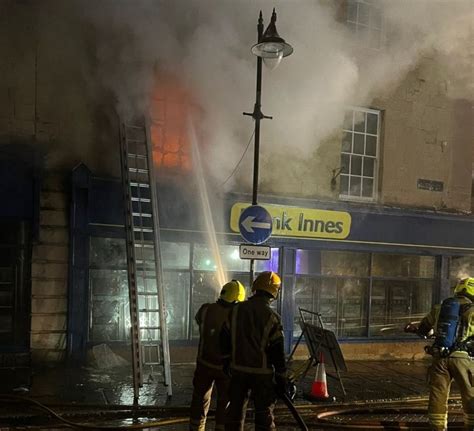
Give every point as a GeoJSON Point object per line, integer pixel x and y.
{"type": "Point", "coordinates": [269, 46]}
{"type": "Point", "coordinates": [257, 115]}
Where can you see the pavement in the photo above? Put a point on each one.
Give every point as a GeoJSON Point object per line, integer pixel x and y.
{"type": "Point", "coordinates": [365, 382]}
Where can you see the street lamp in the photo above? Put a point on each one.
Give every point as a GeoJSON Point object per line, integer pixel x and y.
{"type": "Point", "coordinates": [270, 48]}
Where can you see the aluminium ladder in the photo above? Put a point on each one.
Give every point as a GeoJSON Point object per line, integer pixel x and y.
{"type": "Point", "coordinates": [149, 336]}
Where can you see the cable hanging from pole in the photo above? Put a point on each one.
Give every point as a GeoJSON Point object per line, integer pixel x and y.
{"type": "Point", "coordinates": [240, 161]}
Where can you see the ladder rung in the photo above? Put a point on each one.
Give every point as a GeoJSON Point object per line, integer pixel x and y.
{"type": "Point", "coordinates": [138, 170]}
{"type": "Point", "coordinates": [144, 328]}
{"type": "Point", "coordinates": [145, 262]}
{"type": "Point", "coordinates": [144, 185]}
{"type": "Point", "coordinates": [137, 156]}
{"type": "Point", "coordinates": [141, 199]}
{"type": "Point", "coordinates": [143, 245]}
{"type": "Point", "coordinates": [142, 229]}
{"type": "Point", "coordinates": [141, 215]}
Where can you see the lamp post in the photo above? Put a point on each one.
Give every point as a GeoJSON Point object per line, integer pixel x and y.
{"type": "Point", "coordinates": [270, 48]}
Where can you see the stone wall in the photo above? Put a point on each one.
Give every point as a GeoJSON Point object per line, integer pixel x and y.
{"type": "Point", "coordinates": [50, 273]}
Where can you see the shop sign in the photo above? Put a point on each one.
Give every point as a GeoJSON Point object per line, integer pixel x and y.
{"type": "Point", "coordinates": [300, 222]}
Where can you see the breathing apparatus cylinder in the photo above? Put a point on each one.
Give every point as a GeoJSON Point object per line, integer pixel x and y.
{"type": "Point", "coordinates": [447, 327]}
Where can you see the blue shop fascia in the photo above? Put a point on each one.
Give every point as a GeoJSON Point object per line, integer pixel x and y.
{"type": "Point", "coordinates": [368, 269]}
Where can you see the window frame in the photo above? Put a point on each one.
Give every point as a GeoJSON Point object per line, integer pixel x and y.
{"type": "Point", "coordinates": [356, 25]}
{"type": "Point", "coordinates": [375, 188]}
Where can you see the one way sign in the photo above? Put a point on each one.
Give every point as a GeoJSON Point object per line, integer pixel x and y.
{"type": "Point", "coordinates": [255, 224]}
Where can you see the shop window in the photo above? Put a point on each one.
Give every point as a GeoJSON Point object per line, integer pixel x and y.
{"type": "Point", "coordinates": [110, 315]}
{"type": "Point", "coordinates": [332, 263]}
{"type": "Point", "coordinates": [108, 285]}
{"type": "Point", "coordinates": [204, 258]}
{"type": "Point", "coordinates": [342, 284]}
{"type": "Point", "coordinates": [341, 303]}
{"type": "Point", "coordinates": [364, 18]}
{"type": "Point", "coordinates": [359, 154]}
{"type": "Point", "coordinates": [345, 263]}
{"type": "Point", "coordinates": [398, 265]}
{"type": "Point", "coordinates": [177, 285]}
{"type": "Point", "coordinates": [394, 303]}
{"type": "Point", "coordinates": [175, 255]}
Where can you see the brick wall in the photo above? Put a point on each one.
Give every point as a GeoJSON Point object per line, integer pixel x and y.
{"type": "Point", "coordinates": [49, 274]}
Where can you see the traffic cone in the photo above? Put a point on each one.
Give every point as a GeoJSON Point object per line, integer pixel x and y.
{"type": "Point", "coordinates": [319, 388]}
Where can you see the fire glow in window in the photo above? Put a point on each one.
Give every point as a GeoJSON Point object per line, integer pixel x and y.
{"type": "Point", "coordinates": [170, 107]}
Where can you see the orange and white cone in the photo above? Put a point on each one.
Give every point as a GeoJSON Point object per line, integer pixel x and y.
{"type": "Point", "coordinates": [319, 388]}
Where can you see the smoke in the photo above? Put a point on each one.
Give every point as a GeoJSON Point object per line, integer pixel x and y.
{"type": "Point", "coordinates": [206, 43]}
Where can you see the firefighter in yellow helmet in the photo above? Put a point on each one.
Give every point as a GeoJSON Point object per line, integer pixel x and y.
{"type": "Point", "coordinates": [209, 362]}
{"type": "Point", "coordinates": [453, 353]}
{"type": "Point", "coordinates": [257, 355]}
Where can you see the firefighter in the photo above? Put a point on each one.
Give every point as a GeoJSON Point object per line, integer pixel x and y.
{"type": "Point", "coordinates": [256, 355]}
{"type": "Point", "coordinates": [209, 361]}
{"type": "Point", "coordinates": [453, 353]}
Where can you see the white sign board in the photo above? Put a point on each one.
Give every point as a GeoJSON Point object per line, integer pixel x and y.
{"type": "Point", "coordinates": [258, 252]}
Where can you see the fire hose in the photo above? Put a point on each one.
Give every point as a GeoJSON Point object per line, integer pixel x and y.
{"type": "Point", "coordinates": [294, 412]}
{"type": "Point", "coordinates": [322, 419]}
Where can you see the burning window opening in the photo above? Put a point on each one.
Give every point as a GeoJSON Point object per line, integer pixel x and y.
{"type": "Point", "coordinates": [170, 106]}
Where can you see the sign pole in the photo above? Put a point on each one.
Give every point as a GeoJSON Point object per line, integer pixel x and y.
{"type": "Point", "coordinates": [257, 116]}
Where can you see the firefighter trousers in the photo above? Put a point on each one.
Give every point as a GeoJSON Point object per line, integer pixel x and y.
{"type": "Point", "coordinates": [441, 373]}
{"type": "Point", "coordinates": [262, 391]}
{"type": "Point", "coordinates": [204, 380]}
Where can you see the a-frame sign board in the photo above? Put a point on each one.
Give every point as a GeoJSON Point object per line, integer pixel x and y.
{"type": "Point", "coordinates": [320, 341]}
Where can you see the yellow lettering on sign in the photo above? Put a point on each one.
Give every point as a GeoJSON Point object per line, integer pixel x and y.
{"type": "Point", "coordinates": [300, 222]}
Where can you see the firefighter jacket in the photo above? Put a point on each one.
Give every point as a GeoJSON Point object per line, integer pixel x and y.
{"type": "Point", "coordinates": [466, 326]}
{"type": "Point", "coordinates": [211, 318]}
{"type": "Point", "coordinates": [256, 337]}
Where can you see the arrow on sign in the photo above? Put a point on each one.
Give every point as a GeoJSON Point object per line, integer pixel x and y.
{"type": "Point", "coordinates": [249, 224]}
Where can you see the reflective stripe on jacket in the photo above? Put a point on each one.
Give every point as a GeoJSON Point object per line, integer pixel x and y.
{"type": "Point", "coordinates": [211, 318]}
{"type": "Point", "coordinates": [255, 332]}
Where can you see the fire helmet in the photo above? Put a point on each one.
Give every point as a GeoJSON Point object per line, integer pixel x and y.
{"type": "Point", "coordinates": [267, 281]}
{"type": "Point", "coordinates": [465, 287]}
{"type": "Point", "coordinates": [233, 291]}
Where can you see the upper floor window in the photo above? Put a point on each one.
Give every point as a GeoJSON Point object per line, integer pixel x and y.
{"type": "Point", "coordinates": [359, 154]}
{"type": "Point", "coordinates": [364, 17]}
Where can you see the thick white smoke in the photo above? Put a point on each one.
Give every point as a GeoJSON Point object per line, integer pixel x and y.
{"type": "Point", "coordinates": [207, 44]}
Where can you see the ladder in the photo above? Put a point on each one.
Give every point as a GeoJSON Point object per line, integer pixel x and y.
{"type": "Point", "coordinates": [149, 336]}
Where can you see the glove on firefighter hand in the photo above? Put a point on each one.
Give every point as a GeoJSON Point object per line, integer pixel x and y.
{"type": "Point", "coordinates": [291, 391]}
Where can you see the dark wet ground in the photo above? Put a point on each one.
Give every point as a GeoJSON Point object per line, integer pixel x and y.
{"type": "Point", "coordinates": [366, 382]}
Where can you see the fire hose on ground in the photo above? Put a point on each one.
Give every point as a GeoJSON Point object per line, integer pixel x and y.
{"type": "Point", "coordinates": [320, 416]}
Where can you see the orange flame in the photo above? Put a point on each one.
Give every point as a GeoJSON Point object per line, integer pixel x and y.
{"type": "Point", "coordinates": [169, 109]}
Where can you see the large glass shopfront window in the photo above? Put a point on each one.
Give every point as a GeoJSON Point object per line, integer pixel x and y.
{"type": "Point", "coordinates": [334, 284]}
{"type": "Point", "coordinates": [363, 294]}
{"type": "Point", "coordinates": [189, 280]}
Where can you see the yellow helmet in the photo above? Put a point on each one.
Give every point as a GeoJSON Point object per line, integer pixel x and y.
{"type": "Point", "coordinates": [233, 291]}
{"type": "Point", "coordinates": [269, 282]}
{"type": "Point", "coordinates": [465, 287]}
